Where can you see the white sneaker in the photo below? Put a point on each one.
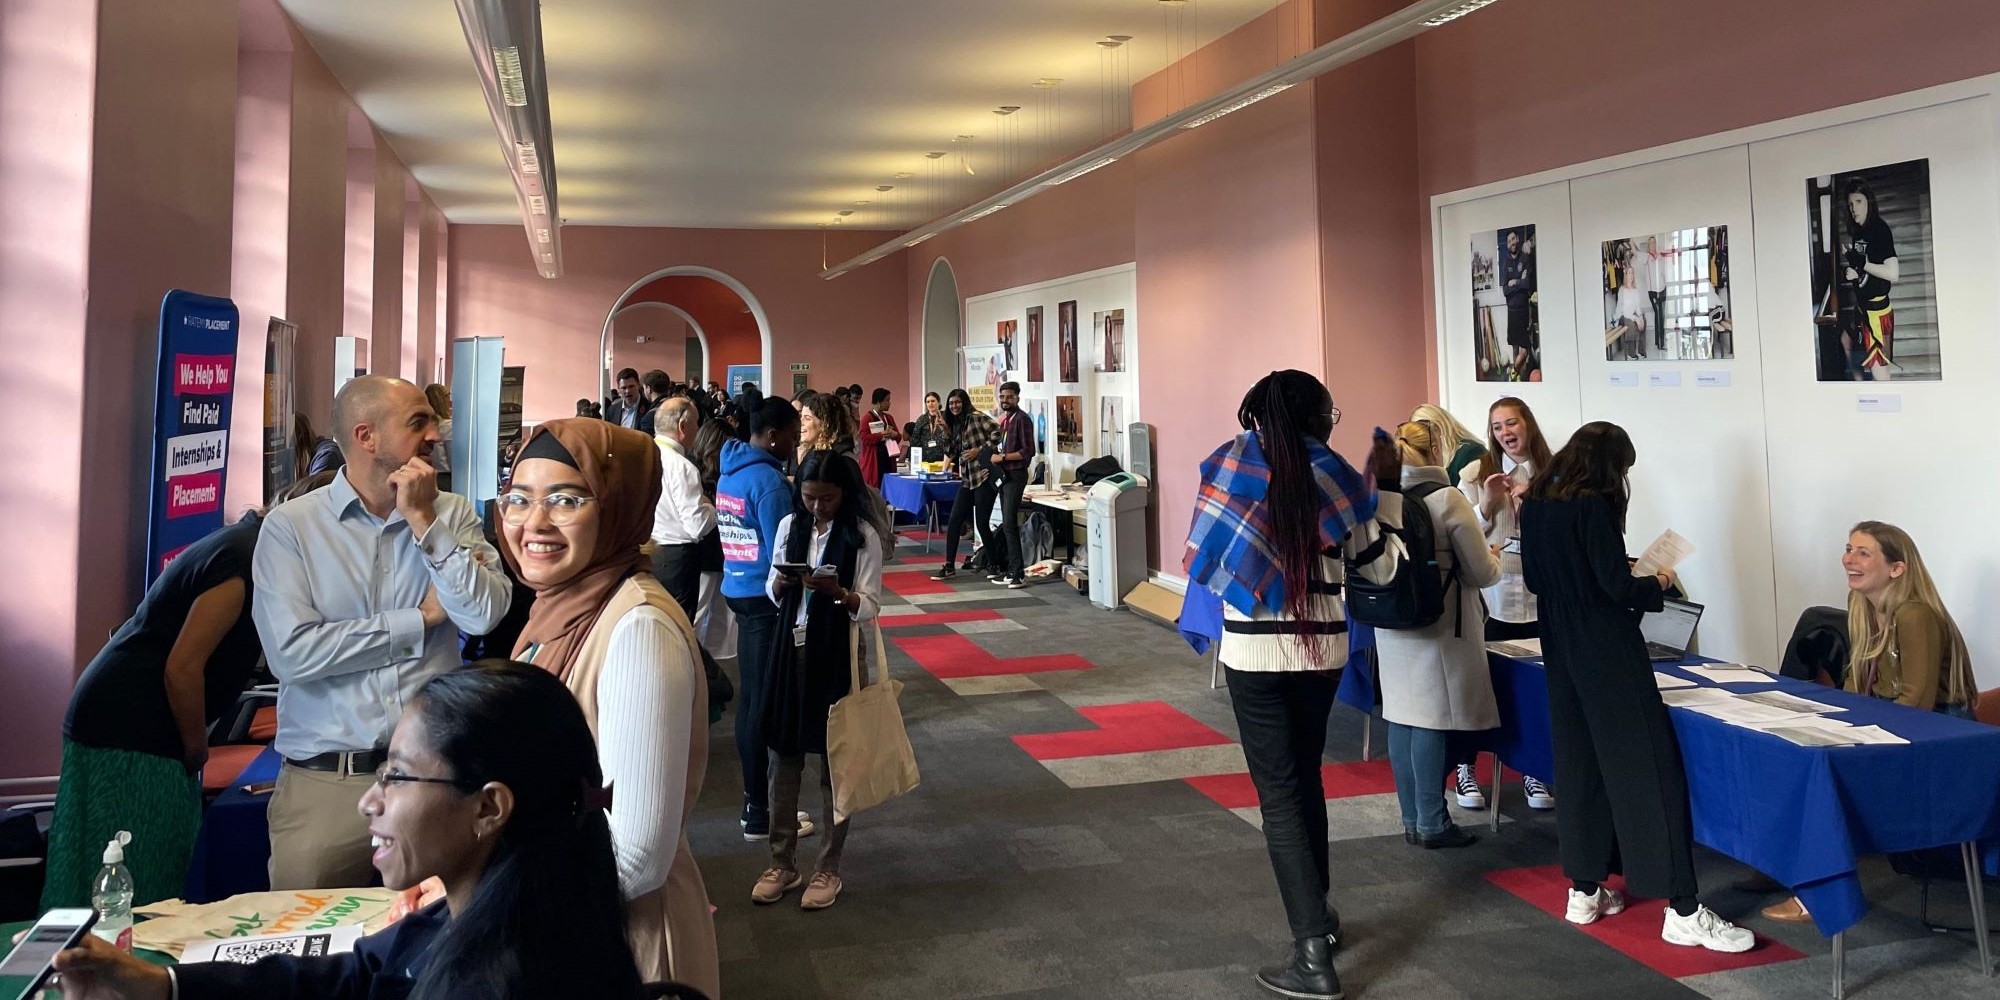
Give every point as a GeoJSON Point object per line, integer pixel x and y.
{"type": "Point", "coordinates": [1592, 908]}
{"type": "Point", "coordinates": [1539, 796]}
{"type": "Point", "coordinates": [1467, 788]}
{"type": "Point", "coordinates": [1704, 929]}
{"type": "Point", "coordinates": [806, 825]}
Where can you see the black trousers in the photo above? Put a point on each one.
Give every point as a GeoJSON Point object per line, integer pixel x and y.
{"type": "Point", "coordinates": [1281, 718]}
{"type": "Point", "coordinates": [678, 568]}
{"type": "Point", "coordinates": [757, 628]}
{"type": "Point", "coordinates": [973, 504]}
{"type": "Point", "coordinates": [1012, 483]}
{"type": "Point", "coordinates": [1618, 770]}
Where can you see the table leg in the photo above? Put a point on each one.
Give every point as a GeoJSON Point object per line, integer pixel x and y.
{"type": "Point", "coordinates": [1975, 887]}
{"type": "Point", "coordinates": [1493, 801]}
{"type": "Point", "coordinates": [1840, 966]}
{"type": "Point", "coordinates": [1367, 737]}
{"type": "Point", "coordinates": [1215, 663]}
{"type": "Point", "coordinates": [932, 525]}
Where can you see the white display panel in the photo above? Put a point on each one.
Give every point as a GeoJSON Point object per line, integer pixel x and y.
{"type": "Point", "coordinates": [1554, 398]}
{"type": "Point", "coordinates": [1914, 454]}
{"type": "Point", "coordinates": [1112, 288]}
{"type": "Point", "coordinates": [1702, 468]}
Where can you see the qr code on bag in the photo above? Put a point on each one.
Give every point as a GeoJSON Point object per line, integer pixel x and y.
{"type": "Point", "coordinates": [251, 951]}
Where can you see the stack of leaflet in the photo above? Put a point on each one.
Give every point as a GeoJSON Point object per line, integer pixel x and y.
{"type": "Point", "coordinates": [1798, 720]}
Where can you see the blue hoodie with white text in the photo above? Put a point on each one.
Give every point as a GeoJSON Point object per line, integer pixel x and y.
{"type": "Point", "coordinates": [750, 501]}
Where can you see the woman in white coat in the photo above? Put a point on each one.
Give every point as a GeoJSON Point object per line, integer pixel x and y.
{"type": "Point", "coordinates": [1435, 680]}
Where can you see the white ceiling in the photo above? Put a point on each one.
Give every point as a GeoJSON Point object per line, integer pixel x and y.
{"type": "Point", "coordinates": [742, 113]}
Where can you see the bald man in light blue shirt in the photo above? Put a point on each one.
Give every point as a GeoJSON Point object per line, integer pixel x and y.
{"type": "Point", "coordinates": [358, 586]}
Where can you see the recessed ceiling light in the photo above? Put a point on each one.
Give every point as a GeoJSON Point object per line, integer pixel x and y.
{"type": "Point", "coordinates": [1119, 38]}
{"type": "Point", "coordinates": [1108, 44]}
{"type": "Point", "coordinates": [844, 213]}
{"type": "Point", "coordinates": [858, 204]}
{"type": "Point", "coordinates": [1008, 109]}
{"type": "Point", "coordinates": [934, 155]}
{"type": "Point", "coordinates": [904, 175]}
{"type": "Point", "coordinates": [885, 187]}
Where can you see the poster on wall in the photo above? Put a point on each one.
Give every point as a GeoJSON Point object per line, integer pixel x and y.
{"type": "Point", "coordinates": [983, 375]}
{"type": "Point", "coordinates": [1007, 330]}
{"type": "Point", "coordinates": [1067, 359]}
{"type": "Point", "coordinates": [739, 374]}
{"type": "Point", "coordinates": [191, 405]}
{"type": "Point", "coordinates": [280, 465]}
{"type": "Point", "coordinates": [1874, 287]}
{"type": "Point", "coordinates": [1038, 412]}
{"type": "Point", "coordinates": [1666, 296]}
{"type": "Point", "coordinates": [1035, 363]}
{"type": "Point", "coordinates": [1111, 427]}
{"type": "Point", "coordinates": [1506, 313]}
{"type": "Point", "coordinates": [1108, 331]}
{"type": "Point", "coordinates": [1069, 425]}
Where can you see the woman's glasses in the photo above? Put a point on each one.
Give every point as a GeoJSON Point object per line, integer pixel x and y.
{"type": "Point", "coordinates": [385, 777]}
{"type": "Point", "coordinates": [561, 508]}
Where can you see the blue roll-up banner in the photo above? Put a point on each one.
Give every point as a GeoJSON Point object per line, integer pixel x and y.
{"type": "Point", "coordinates": [739, 374]}
{"type": "Point", "coordinates": [191, 403]}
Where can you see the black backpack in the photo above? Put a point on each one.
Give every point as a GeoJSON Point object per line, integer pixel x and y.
{"type": "Point", "coordinates": [1414, 597]}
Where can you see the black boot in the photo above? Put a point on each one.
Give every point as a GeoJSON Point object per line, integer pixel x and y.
{"type": "Point", "coordinates": [1310, 975]}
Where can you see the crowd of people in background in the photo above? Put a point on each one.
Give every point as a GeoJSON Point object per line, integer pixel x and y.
{"type": "Point", "coordinates": [633, 548]}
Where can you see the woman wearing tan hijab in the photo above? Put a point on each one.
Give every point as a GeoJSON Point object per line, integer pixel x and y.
{"type": "Point", "coordinates": [578, 510]}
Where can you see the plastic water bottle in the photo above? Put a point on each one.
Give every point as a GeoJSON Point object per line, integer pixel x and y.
{"type": "Point", "coordinates": [111, 895]}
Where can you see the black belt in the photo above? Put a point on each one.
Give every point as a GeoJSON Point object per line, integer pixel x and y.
{"type": "Point", "coordinates": [345, 764]}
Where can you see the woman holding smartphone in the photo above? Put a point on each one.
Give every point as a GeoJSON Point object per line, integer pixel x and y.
{"type": "Point", "coordinates": [826, 576]}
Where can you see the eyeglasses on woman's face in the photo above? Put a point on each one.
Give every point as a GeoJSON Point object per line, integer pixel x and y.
{"type": "Point", "coordinates": [562, 509]}
{"type": "Point", "coordinates": [387, 775]}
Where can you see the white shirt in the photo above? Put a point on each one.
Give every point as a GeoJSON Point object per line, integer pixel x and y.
{"type": "Point", "coordinates": [1510, 600]}
{"type": "Point", "coordinates": [337, 593]}
{"type": "Point", "coordinates": [685, 514]}
{"type": "Point", "coordinates": [867, 567]}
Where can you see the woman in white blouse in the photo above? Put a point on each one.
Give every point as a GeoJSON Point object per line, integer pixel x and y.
{"type": "Point", "coordinates": [580, 506]}
{"type": "Point", "coordinates": [826, 577]}
{"type": "Point", "coordinates": [1515, 451]}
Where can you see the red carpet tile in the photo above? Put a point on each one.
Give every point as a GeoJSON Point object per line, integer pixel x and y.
{"type": "Point", "coordinates": [953, 656]}
{"type": "Point", "coordinates": [1133, 728]}
{"type": "Point", "coordinates": [1635, 932]}
{"type": "Point", "coordinates": [1341, 781]}
{"type": "Point", "coordinates": [911, 582]}
{"type": "Point", "coordinates": [941, 618]}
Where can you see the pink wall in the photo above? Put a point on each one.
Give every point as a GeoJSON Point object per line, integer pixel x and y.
{"type": "Point", "coordinates": [385, 348]}
{"type": "Point", "coordinates": [48, 80]}
{"type": "Point", "coordinates": [724, 318]}
{"type": "Point", "coordinates": [258, 267]}
{"type": "Point", "coordinates": [666, 336]}
{"type": "Point", "coordinates": [850, 329]}
{"type": "Point", "coordinates": [316, 236]}
{"type": "Point", "coordinates": [1226, 235]}
{"type": "Point", "coordinates": [426, 270]}
{"type": "Point", "coordinates": [1523, 87]}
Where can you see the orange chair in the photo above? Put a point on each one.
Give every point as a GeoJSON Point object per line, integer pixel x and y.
{"type": "Point", "coordinates": [1987, 708]}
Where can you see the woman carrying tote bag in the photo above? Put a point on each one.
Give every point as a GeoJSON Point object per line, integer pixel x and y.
{"type": "Point", "coordinates": [826, 577]}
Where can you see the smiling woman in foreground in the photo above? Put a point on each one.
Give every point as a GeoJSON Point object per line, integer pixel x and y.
{"type": "Point", "coordinates": [491, 785]}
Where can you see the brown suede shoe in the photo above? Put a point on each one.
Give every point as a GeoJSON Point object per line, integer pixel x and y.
{"type": "Point", "coordinates": [1791, 911]}
{"type": "Point", "coordinates": [773, 884]}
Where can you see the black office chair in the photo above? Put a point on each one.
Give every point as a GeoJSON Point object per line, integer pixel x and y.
{"type": "Point", "coordinates": [24, 859]}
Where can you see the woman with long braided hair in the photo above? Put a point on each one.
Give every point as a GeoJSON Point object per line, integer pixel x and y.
{"type": "Point", "coordinates": [1274, 506]}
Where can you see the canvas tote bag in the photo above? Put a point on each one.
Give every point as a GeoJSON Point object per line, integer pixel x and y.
{"type": "Point", "coordinates": [868, 753]}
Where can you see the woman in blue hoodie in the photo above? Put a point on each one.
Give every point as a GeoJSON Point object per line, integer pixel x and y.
{"type": "Point", "coordinates": [752, 499]}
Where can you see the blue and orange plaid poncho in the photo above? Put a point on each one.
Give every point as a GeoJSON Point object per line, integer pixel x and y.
{"type": "Point", "coordinates": [1229, 546]}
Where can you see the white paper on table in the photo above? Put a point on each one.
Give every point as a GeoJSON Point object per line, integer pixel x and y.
{"type": "Point", "coordinates": [1729, 673]}
{"type": "Point", "coordinates": [1819, 723]}
{"type": "Point", "coordinates": [1790, 703]}
{"type": "Point", "coordinates": [1874, 735]}
{"type": "Point", "coordinates": [1809, 736]}
{"type": "Point", "coordinates": [1668, 682]}
{"type": "Point", "coordinates": [1689, 697]}
{"type": "Point", "coordinates": [1666, 552]}
{"type": "Point", "coordinates": [1520, 649]}
{"type": "Point", "coordinates": [248, 950]}
{"type": "Point", "coordinates": [1750, 715]}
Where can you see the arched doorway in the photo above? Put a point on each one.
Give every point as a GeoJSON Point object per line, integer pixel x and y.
{"type": "Point", "coordinates": [690, 372]}
{"type": "Point", "coordinates": [944, 330]}
{"type": "Point", "coordinates": [755, 307]}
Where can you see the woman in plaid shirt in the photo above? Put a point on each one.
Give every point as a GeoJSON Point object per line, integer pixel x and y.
{"type": "Point", "coordinates": [975, 438]}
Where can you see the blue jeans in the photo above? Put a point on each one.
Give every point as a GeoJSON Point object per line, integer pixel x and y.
{"type": "Point", "coordinates": [1416, 757]}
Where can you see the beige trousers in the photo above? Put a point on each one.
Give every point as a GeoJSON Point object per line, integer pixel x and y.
{"type": "Point", "coordinates": [319, 839]}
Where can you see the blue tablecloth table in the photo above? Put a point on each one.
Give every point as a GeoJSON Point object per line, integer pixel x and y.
{"type": "Point", "coordinates": [922, 497]}
{"type": "Point", "coordinates": [233, 852]}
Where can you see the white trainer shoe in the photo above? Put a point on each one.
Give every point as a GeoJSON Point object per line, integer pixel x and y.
{"type": "Point", "coordinates": [1704, 929]}
{"type": "Point", "coordinates": [1466, 787]}
{"type": "Point", "coordinates": [1589, 909]}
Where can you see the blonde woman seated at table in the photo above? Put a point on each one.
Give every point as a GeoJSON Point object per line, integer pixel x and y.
{"type": "Point", "coordinates": [1903, 646]}
{"type": "Point", "coordinates": [1434, 680]}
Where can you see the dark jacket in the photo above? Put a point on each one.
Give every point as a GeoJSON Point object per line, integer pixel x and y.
{"type": "Point", "coordinates": [1573, 558]}
{"type": "Point", "coordinates": [382, 966]}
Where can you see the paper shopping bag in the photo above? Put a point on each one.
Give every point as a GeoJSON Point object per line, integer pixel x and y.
{"type": "Point", "coordinates": [868, 755]}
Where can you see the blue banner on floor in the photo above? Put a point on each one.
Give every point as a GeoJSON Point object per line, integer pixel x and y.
{"type": "Point", "coordinates": [191, 405]}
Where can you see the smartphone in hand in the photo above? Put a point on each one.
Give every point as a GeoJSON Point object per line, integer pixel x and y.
{"type": "Point", "coordinates": [31, 962]}
{"type": "Point", "coordinates": [791, 569]}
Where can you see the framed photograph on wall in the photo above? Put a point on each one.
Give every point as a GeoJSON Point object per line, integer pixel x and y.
{"type": "Point", "coordinates": [1069, 425]}
{"type": "Point", "coordinates": [1666, 296]}
{"type": "Point", "coordinates": [1506, 312]}
{"type": "Point", "coordinates": [1108, 328]}
{"type": "Point", "coordinates": [1007, 331]}
{"type": "Point", "coordinates": [1038, 414]}
{"type": "Point", "coordinates": [1111, 426]}
{"type": "Point", "coordinates": [1067, 359]}
{"type": "Point", "coordinates": [1873, 277]}
{"type": "Point", "coordinates": [1035, 363]}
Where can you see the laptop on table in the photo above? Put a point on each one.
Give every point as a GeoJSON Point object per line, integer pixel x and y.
{"type": "Point", "coordinates": [1670, 630]}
